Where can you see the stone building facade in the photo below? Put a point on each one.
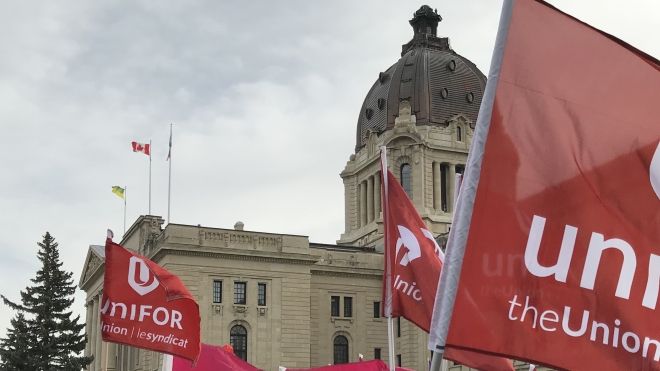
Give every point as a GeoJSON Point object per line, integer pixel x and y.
{"type": "Point", "coordinates": [282, 300]}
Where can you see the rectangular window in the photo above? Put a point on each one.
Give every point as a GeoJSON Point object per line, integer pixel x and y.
{"type": "Point", "coordinates": [334, 306]}
{"type": "Point", "coordinates": [261, 295]}
{"type": "Point", "coordinates": [239, 292]}
{"type": "Point", "coordinates": [348, 306]}
{"type": "Point", "coordinates": [376, 309]}
{"type": "Point", "coordinates": [398, 360]}
{"type": "Point", "coordinates": [376, 353]}
{"type": "Point", "coordinates": [217, 291]}
{"type": "Point", "coordinates": [398, 327]}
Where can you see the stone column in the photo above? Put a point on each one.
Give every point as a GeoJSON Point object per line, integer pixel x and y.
{"type": "Point", "coordinates": [437, 186]}
{"type": "Point", "coordinates": [98, 353]}
{"type": "Point", "coordinates": [451, 184]}
{"type": "Point", "coordinates": [92, 333]}
{"type": "Point", "coordinates": [376, 195]}
{"type": "Point", "coordinates": [88, 327]}
{"type": "Point", "coordinates": [370, 199]}
{"type": "Point", "coordinates": [363, 203]}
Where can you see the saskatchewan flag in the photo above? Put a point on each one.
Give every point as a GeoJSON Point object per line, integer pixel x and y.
{"type": "Point", "coordinates": [119, 191]}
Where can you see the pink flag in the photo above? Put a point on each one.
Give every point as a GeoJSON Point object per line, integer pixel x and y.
{"type": "Point", "coordinates": [211, 358]}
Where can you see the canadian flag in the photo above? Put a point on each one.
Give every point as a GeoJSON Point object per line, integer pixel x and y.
{"type": "Point", "coordinates": [141, 147]}
{"type": "Point", "coordinates": [145, 306]}
{"type": "Point", "coordinates": [413, 261]}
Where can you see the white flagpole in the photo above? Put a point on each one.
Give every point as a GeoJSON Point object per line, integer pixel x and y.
{"type": "Point", "coordinates": [169, 180]}
{"type": "Point", "coordinates": [388, 273]}
{"type": "Point", "coordinates": [150, 149]}
{"type": "Point", "coordinates": [448, 285]}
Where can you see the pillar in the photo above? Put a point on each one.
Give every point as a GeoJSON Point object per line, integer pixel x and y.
{"type": "Point", "coordinates": [437, 186]}
{"type": "Point", "coordinates": [98, 344]}
{"type": "Point", "coordinates": [377, 195]}
{"type": "Point", "coordinates": [451, 184]}
{"type": "Point", "coordinates": [363, 203]}
{"type": "Point", "coordinates": [370, 199]}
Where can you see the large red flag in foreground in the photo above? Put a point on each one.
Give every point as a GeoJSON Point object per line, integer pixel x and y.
{"type": "Point", "coordinates": [413, 261]}
{"type": "Point", "coordinates": [562, 253]}
{"type": "Point", "coordinates": [211, 358]}
{"type": "Point", "coordinates": [146, 306]}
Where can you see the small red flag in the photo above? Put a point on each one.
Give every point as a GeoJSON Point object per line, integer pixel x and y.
{"type": "Point", "coordinates": [141, 147]}
{"type": "Point", "coordinates": [415, 261]}
{"type": "Point", "coordinates": [146, 306]}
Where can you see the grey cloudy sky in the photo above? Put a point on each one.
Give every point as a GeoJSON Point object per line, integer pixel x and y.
{"type": "Point", "coordinates": [264, 97]}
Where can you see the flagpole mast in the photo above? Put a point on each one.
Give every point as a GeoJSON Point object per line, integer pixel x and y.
{"type": "Point", "coordinates": [125, 195]}
{"type": "Point", "coordinates": [169, 180]}
{"type": "Point", "coordinates": [388, 273]}
{"type": "Point", "coordinates": [149, 177]}
{"type": "Point", "coordinates": [448, 284]}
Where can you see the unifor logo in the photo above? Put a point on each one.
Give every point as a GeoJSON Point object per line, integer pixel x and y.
{"type": "Point", "coordinates": [408, 240]}
{"type": "Point", "coordinates": [655, 171]}
{"type": "Point", "coordinates": [140, 277]}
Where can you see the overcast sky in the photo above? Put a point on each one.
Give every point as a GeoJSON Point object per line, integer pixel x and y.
{"type": "Point", "coordinates": [264, 97]}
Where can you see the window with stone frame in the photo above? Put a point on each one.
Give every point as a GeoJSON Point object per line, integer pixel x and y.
{"type": "Point", "coordinates": [240, 292]}
{"type": "Point", "coordinates": [334, 306]}
{"type": "Point", "coordinates": [261, 294]}
{"type": "Point", "coordinates": [217, 291]}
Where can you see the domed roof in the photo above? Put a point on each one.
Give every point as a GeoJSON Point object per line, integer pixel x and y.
{"type": "Point", "coordinates": [438, 82]}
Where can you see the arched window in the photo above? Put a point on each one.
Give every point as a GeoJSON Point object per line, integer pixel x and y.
{"type": "Point", "coordinates": [406, 179]}
{"type": "Point", "coordinates": [340, 350]}
{"type": "Point", "coordinates": [459, 133]}
{"type": "Point", "coordinates": [238, 341]}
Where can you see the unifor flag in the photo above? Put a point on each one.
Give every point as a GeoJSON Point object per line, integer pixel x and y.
{"type": "Point", "coordinates": [413, 261]}
{"type": "Point", "coordinates": [560, 206]}
{"type": "Point", "coordinates": [146, 306]}
{"type": "Point", "coordinates": [141, 147]}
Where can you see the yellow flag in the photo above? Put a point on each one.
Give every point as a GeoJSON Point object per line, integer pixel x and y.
{"type": "Point", "coordinates": [119, 191]}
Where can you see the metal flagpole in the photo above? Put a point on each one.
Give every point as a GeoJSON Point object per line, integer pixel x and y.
{"type": "Point", "coordinates": [125, 195]}
{"type": "Point", "coordinates": [149, 177]}
{"type": "Point", "coordinates": [448, 285]}
{"type": "Point", "coordinates": [169, 180]}
{"type": "Point", "coordinates": [388, 273]}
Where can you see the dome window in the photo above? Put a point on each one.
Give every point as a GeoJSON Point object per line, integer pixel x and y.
{"type": "Point", "coordinates": [381, 103]}
{"type": "Point", "coordinates": [368, 113]}
{"type": "Point", "coordinates": [382, 77]}
{"type": "Point", "coordinates": [444, 93]}
{"type": "Point", "coordinates": [451, 65]}
{"type": "Point", "coordinates": [469, 97]}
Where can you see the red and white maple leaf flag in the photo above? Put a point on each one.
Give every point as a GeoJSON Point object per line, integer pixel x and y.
{"type": "Point", "coordinates": [141, 147]}
{"type": "Point", "coordinates": [146, 306]}
{"type": "Point", "coordinates": [559, 217]}
{"type": "Point", "coordinates": [413, 261]}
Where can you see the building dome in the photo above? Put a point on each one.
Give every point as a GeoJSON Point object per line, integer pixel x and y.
{"type": "Point", "coordinates": [437, 82]}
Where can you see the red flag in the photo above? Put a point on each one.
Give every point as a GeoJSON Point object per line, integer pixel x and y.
{"type": "Point", "coordinates": [213, 358]}
{"type": "Point", "coordinates": [373, 365]}
{"type": "Point", "coordinates": [142, 147]}
{"type": "Point", "coordinates": [146, 306]}
{"type": "Point", "coordinates": [561, 264]}
{"type": "Point", "coordinates": [414, 261]}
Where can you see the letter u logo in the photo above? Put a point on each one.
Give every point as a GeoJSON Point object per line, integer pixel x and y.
{"type": "Point", "coordinates": [140, 278]}
{"type": "Point", "coordinates": [655, 171]}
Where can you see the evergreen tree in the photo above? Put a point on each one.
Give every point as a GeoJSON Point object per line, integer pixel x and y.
{"type": "Point", "coordinates": [15, 349]}
{"type": "Point", "coordinates": [55, 339]}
